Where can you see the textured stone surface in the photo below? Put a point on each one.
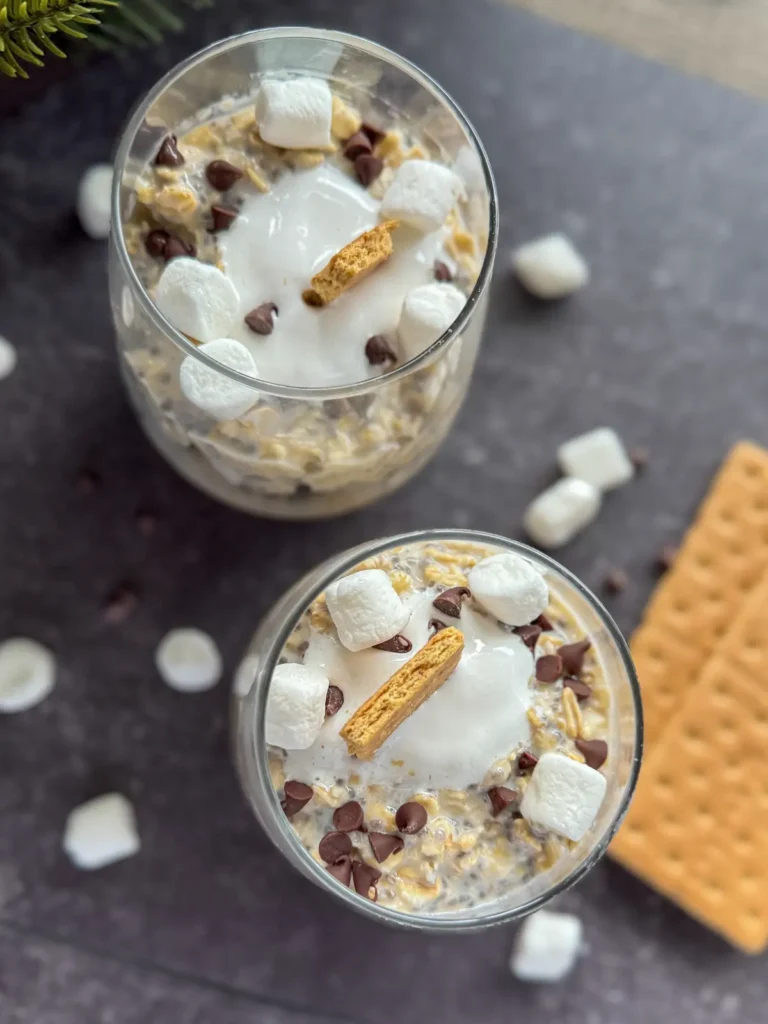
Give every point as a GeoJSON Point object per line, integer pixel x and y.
{"type": "Point", "coordinates": [659, 179]}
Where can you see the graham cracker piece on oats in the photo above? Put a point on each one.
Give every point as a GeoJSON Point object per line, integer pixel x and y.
{"type": "Point", "coordinates": [403, 693]}
{"type": "Point", "coordinates": [696, 828]}
{"type": "Point", "coordinates": [351, 264]}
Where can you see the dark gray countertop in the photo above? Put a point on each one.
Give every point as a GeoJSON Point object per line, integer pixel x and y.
{"type": "Point", "coordinates": [660, 180]}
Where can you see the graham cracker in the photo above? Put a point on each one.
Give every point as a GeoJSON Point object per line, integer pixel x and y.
{"type": "Point", "coordinates": [405, 691]}
{"type": "Point", "coordinates": [696, 828]}
{"type": "Point", "coordinates": [351, 264]}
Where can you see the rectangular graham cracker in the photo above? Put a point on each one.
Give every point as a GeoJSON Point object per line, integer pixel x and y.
{"type": "Point", "coordinates": [696, 830]}
{"type": "Point", "coordinates": [405, 691]}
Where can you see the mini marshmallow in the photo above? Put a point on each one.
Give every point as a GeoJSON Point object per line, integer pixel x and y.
{"type": "Point", "coordinates": [220, 397]}
{"type": "Point", "coordinates": [295, 113]}
{"type": "Point", "coordinates": [428, 311]}
{"type": "Point", "coordinates": [563, 795]}
{"type": "Point", "coordinates": [27, 674]}
{"type": "Point", "coordinates": [550, 267]}
{"type": "Point", "coordinates": [509, 587]}
{"type": "Point", "coordinates": [245, 673]}
{"type": "Point", "coordinates": [599, 457]}
{"type": "Point", "coordinates": [365, 609]}
{"type": "Point", "coordinates": [546, 946]}
{"type": "Point", "coordinates": [197, 299]}
{"type": "Point", "coordinates": [8, 358]}
{"type": "Point", "coordinates": [295, 706]}
{"type": "Point", "coordinates": [101, 832]}
{"type": "Point", "coordinates": [469, 168]}
{"type": "Point", "coordinates": [562, 511]}
{"type": "Point", "coordinates": [422, 194]}
{"type": "Point", "coordinates": [188, 660]}
{"type": "Point", "coordinates": [94, 201]}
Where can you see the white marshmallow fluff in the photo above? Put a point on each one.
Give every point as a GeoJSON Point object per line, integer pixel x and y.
{"type": "Point", "coordinates": [599, 457]}
{"type": "Point", "coordinates": [366, 609]}
{"type": "Point", "coordinates": [509, 587]}
{"type": "Point", "coordinates": [547, 946]}
{"type": "Point", "coordinates": [197, 299]}
{"type": "Point", "coordinates": [295, 706]}
{"type": "Point", "coordinates": [294, 113]}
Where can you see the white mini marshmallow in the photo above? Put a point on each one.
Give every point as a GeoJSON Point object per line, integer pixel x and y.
{"type": "Point", "coordinates": [509, 587]}
{"type": "Point", "coordinates": [245, 673]}
{"type": "Point", "coordinates": [94, 200]}
{"type": "Point", "coordinates": [469, 168]}
{"type": "Point", "coordinates": [294, 113]}
{"type": "Point", "coordinates": [599, 457]}
{"type": "Point", "coordinates": [220, 397]}
{"type": "Point", "coordinates": [428, 311]}
{"type": "Point", "coordinates": [197, 299]}
{"type": "Point", "coordinates": [27, 674]}
{"type": "Point", "coordinates": [422, 194]}
{"type": "Point", "coordinates": [562, 511]}
{"type": "Point", "coordinates": [8, 358]}
{"type": "Point", "coordinates": [101, 832]}
{"type": "Point", "coordinates": [188, 660]}
{"type": "Point", "coordinates": [563, 795]}
{"type": "Point", "coordinates": [550, 267]}
{"type": "Point", "coordinates": [366, 609]}
{"type": "Point", "coordinates": [295, 706]}
{"type": "Point", "coordinates": [546, 947]}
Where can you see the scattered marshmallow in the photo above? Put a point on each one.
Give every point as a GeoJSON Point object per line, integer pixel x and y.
{"type": "Point", "coordinates": [295, 706]}
{"type": "Point", "coordinates": [94, 200]}
{"type": "Point", "coordinates": [222, 398]}
{"type": "Point", "coordinates": [8, 358]}
{"type": "Point", "coordinates": [562, 511]}
{"type": "Point", "coordinates": [422, 194]}
{"type": "Point", "coordinates": [550, 267]}
{"type": "Point", "coordinates": [198, 299]}
{"type": "Point", "coordinates": [428, 311]}
{"type": "Point", "coordinates": [188, 660]}
{"type": "Point", "coordinates": [365, 609]}
{"type": "Point", "coordinates": [101, 832]}
{"type": "Point", "coordinates": [27, 674]}
{"type": "Point", "coordinates": [546, 946]}
{"type": "Point", "coordinates": [599, 457]}
{"type": "Point", "coordinates": [509, 587]}
{"type": "Point", "coordinates": [294, 113]}
{"type": "Point", "coordinates": [563, 795]}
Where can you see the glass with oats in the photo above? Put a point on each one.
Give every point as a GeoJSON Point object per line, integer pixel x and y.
{"type": "Point", "coordinates": [304, 228]}
{"type": "Point", "coordinates": [442, 729]}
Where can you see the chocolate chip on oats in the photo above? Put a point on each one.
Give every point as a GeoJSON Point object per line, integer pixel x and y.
{"type": "Point", "coordinates": [549, 667]}
{"type": "Point", "coordinates": [581, 690]}
{"type": "Point", "coordinates": [639, 457]}
{"type": "Point", "coordinates": [356, 145]}
{"type": "Point", "coordinates": [397, 645]}
{"type": "Point", "coordinates": [411, 817]}
{"type": "Point", "coordinates": [296, 795]}
{"type": "Point", "coordinates": [222, 216]}
{"type": "Point", "coordinates": [334, 699]}
{"type": "Point", "coordinates": [616, 581]}
{"type": "Point", "coordinates": [333, 846]}
{"type": "Point", "coordinates": [348, 817]}
{"type": "Point", "coordinates": [442, 271]}
{"type": "Point", "coordinates": [365, 878]}
{"type": "Point", "coordinates": [378, 351]}
{"type": "Point", "coordinates": [222, 175]}
{"type": "Point", "coordinates": [156, 241]}
{"type": "Point", "coordinates": [261, 320]}
{"type": "Point", "coordinates": [500, 798]}
{"type": "Point", "coordinates": [384, 845]}
{"type": "Point", "coordinates": [168, 155]}
{"type": "Point", "coordinates": [449, 602]}
{"type": "Point", "coordinates": [436, 625]}
{"type": "Point", "coordinates": [666, 558]}
{"type": "Point", "coordinates": [367, 168]}
{"type": "Point", "coordinates": [120, 603]}
{"type": "Point", "coordinates": [374, 135]}
{"type": "Point", "coordinates": [341, 870]}
{"type": "Point", "coordinates": [528, 634]}
{"type": "Point", "coordinates": [595, 751]}
{"type": "Point", "coordinates": [175, 246]}
{"type": "Point", "coordinates": [543, 623]}
{"type": "Point", "coordinates": [573, 655]}
{"type": "Point", "coordinates": [526, 762]}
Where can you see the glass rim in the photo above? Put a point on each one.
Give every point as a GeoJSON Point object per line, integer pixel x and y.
{"type": "Point", "coordinates": [134, 123]}
{"type": "Point", "coordinates": [333, 568]}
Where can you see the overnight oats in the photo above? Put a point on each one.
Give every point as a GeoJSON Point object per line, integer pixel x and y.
{"type": "Point", "coordinates": [450, 726]}
{"type": "Point", "coordinates": [299, 279]}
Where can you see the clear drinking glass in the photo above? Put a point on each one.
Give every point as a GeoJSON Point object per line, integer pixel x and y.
{"type": "Point", "coordinates": [310, 452]}
{"type": "Point", "coordinates": [625, 734]}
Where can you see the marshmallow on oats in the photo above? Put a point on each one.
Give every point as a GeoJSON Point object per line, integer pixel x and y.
{"type": "Point", "coordinates": [422, 194]}
{"type": "Point", "coordinates": [428, 311]}
{"type": "Point", "coordinates": [94, 200]}
{"type": "Point", "coordinates": [27, 674]}
{"type": "Point", "coordinates": [546, 946]}
{"type": "Point", "coordinates": [563, 795]}
{"type": "Point", "coordinates": [509, 587]}
{"type": "Point", "coordinates": [550, 267]}
{"type": "Point", "coordinates": [562, 511]}
{"type": "Point", "coordinates": [220, 397]}
{"type": "Point", "coordinates": [101, 832]}
{"type": "Point", "coordinates": [295, 706]}
{"type": "Point", "coordinates": [197, 299]}
{"type": "Point", "coordinates": [295, 113]}
{"type": "Point", "coordinates": [599, 457]}
{"type": "Point", "coordinates": [366, 609]}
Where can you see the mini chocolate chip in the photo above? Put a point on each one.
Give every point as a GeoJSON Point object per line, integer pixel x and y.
{"type": "Point", "coordinates": [543, 623]}
{"type": "Point", "coordinates": [334, 699]}
{"type": "Point", "coordinates": [442, 271]}
{"type": "Point", "coordinates": [168, 155]}
{"type": "Point", "coordinates": [357, 144]}
{"type": "Point", "coordinates": [261, 320]}
{"type": "Point", "coordinates": [573, 656]}
{"type": "Point", "coordinates": [639, 457]}
{"type": "Point", "coordinates": [528, 634]}
{"type": "Point", "coordinates": [411, 817]}
{"type": "Point", "coordinates": [595, 751]}
{"type": "Point", "coordinates": [616, 581]}
{"type": "Point", "coordinates": [436, 625]}
{"type": "Point", "coordinates": [378, 351]}
{"type": "Point", "coordinates": [582, 691]}
{"type": "Point", "coordinates": [375, 135]}
{"type": "Point", "coordinates": [222, 175]}
{"type": "Point", "coordinates": [348, 817]}
{"type": "Point", "coordinates": [449, 602]}
{"type": "Point", "coordinates": [222, 216]}
{"type": "Point", "coordinates": [397, 645]}
{"type": "Point", "coordinates": [341, 870]}
{"type": "Point", "coordinates": [549, 667]}
{"type": "Point", "coordinates": [176, 247]}
{"type": "Point", "coordinates": [365, 878]}
{"type": "Point", "coordinates": [526, 762]}
{"type": "Point", "coordinates": [298, 792]}
{"type": "Point", "coordinates": [666, 558]}
{"type": "Point", "coordinates": [156, 241]}
{"type": "Point", "coordinates": [367, 168]}
{"type": "Point", "coordinates": [500, 798]}
{"type": "Point", "coordinates": [120, 603]}
{"type": "Point", "coordinates": [384, 845]}
{"type": "Point", "coordinates": [334, 845]}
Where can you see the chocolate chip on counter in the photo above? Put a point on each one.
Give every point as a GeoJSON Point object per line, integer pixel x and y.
{"type": "Point", "coordinates": [442, 271]}
{"type": "Point", "coordinates": [378, 351]}
{"type": "Point", "coordinates": [367, 168]}
{"type": "Point", "coordinates": [616, 581]}
{"type": "Point", "coordinates": [333, 846]}
{"type": "Point", "coordinates": [573, 655]}
{"type": "Point", "coordinates": [595, 751]}
{"type": "Point", "coordinates": [436, 625]}
{"type": "Point", "coordinates": [176, 247]}
{"type": "Point", "coordinates": [639, 457]}
{"type": "Point", "coordinates": [261, 320]}
{"type": "Point", "coordinates": [549, 667]}
{"type": "Point", "coordinates": [365, 878]}
{"type": "Point", "coordinates": [384, 845]}
{"type": "Point", "coordinates": [341, 870]}
{"type": "Point", "coordinates": [449, 602]}
{"type": "Point", "coordinates": [348, 817]}
{"type": "Point", "coordinates": [222, 175]}
{"type": "Point", "coordinates": [296, 795]}
{"type": "Point", "coordinates": [156, 241]}
{"type": "Point", "coordinates": [526, 762]}
{"type": "Point", "coordinates": [120, 603]}
{"type": "Point", "coordinates": [528, 634]}
{"type": "Point", "coordinates": [411, 817]}
{"type": "Point", "coordinates": [222, 216]}
{"type": "Point", "coordinates": [500, 798]}
{"type": "Point", "coordinates": [334, 699]}
{"type": "Point", "coordinates": [168, 155]}
{"type": "Point", "coordinates": [666, 558]}
{"type": "Point", "coordinates": [543, 623]}
{"type": "Point", "coordinates": [356, 145]}
{"type": "Point", "coordinates": [397, 645]}
{"type": "Point", "coordinates": [581, 690]}
{"type": "Point", "coordinates": [374, 135]}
